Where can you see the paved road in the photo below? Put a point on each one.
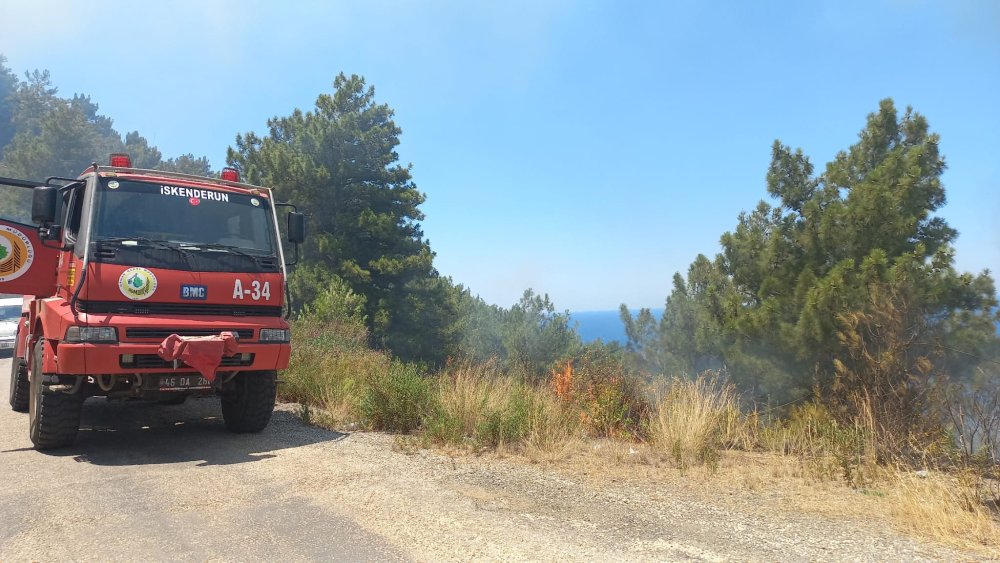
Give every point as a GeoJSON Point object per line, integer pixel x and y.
{"type": "Point", "coordinates": [150, 482]}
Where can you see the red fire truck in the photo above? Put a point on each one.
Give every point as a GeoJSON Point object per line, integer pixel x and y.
{"type": "Point", "coordinates": [144, 284]}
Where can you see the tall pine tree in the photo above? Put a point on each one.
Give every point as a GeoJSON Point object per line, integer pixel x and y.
{"type": "Point", "coordinates": [771, 306]}
{"type": "Point", "coordinates": [339, 163]}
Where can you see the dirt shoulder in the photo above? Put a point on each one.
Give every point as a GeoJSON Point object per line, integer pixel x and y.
{"type": "Point", "coordinates": [590, 507]}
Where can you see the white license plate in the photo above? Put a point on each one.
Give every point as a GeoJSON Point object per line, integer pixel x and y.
{"type": "Point", "coordinates": [5, 345]}
{"type": "Point", "coordinates": [184, 382]}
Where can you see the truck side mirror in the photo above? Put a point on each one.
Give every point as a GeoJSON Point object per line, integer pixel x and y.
{"type": "Point", "coordinates": [43, 205]}
{"type": "Point", "coordinates": [296, 227]}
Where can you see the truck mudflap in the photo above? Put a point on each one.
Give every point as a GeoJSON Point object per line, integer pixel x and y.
{"type": "Point", "coordinates": [203, 353]}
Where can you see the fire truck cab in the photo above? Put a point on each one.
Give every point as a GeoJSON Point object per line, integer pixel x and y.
{"type": "Point", "coordinates": [144, 284]}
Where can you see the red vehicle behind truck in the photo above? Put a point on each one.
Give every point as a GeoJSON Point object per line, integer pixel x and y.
{"type": "Point", "coordinates": [143, 284]}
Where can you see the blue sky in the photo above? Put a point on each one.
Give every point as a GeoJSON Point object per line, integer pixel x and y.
{"type": "Point", "coordinates": [586, 149]}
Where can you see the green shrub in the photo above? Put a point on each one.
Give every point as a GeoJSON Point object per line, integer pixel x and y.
{"type": "Point", "coordinates": [609, 394]}
{"type": "Point", "coordinates": [397, 399]}
{"type": "Point", "coordinates": [329, 369]}
{"type": "Point", "coordinates": [508, 425]}
{"type": "Point", "coordinates": [443, 427]}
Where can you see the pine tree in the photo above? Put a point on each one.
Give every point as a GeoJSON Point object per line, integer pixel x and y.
{"type": "Point", "coordinates": [770, 306]}
{"type": "Point", "coordinates": [339, 163]}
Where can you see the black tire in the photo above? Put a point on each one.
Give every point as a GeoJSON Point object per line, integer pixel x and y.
{"type": "Point", "coordinates": [20, 387]}
{"type": "Point", "coordinates": [53, 416]}
{"type": "Point", "coordinates": [248, 401]}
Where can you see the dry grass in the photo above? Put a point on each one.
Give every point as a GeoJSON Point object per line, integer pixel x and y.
{"type": "Point", "coordinates": [946, 507]}
{"type": "Point", "coordinates": [554, 430]}
{"type": "Point", "coordinates": [478, 405]}
{"type": "Point", "coordinates": [949, 507]}
{"type": "Point", "coordinates": [470, 393]}
{"type": "Point", "coordinates": [693, 419]}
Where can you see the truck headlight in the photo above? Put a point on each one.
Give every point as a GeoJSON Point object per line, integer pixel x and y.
{"type": "Point", "coordinates": [91, 334]}
{"type": "Point", "coordinates": [275, 335]}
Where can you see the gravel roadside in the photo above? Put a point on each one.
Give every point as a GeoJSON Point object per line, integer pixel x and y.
{"type": "Point", "coordinates": [168, 482]}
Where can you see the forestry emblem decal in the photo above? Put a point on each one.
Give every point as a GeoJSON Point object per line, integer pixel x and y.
{"type": "Point", "coordinates": [137, 283]}
{"type": "Point", "coordinates": [16, 253]}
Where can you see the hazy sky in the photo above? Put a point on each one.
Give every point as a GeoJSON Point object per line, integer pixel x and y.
{"type": "Point", "coordinates": [585, 149]}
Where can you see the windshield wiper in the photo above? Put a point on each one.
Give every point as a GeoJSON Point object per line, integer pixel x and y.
{"type": "Point", "coordinates": [225, 247]}
{"type": "Point", "coordinates": [149, 243]}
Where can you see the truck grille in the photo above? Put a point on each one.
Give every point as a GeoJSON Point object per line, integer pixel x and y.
{"type": "Point", "coordinates": [161, 333]}
{"type": "Point", "coordinates": [121, 307]}
{"type": "Point", "coordinates": [152, 361]}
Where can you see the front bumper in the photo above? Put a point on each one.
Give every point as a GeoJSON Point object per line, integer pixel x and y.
{"type": "Point", "coordinates": [97, 359]}
{"type": "Point", "coordinates": [140, 338]}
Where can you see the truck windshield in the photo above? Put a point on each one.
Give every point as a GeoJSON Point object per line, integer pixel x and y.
{"type": "Point", "coordinates": [183, 215]}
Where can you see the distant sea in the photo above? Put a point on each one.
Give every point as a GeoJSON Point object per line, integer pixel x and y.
{"type": "Point", "coordinates": [607, 325]}
{"type": "Point", "coordinates": [603, 325]}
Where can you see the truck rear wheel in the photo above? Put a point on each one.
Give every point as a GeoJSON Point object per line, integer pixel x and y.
{"type": "Point", "coordinates": [248, 401]}
{"type": "Point", "coordinates": [53, 416]}
{"type": "Point", "coordinates": [20, 388]}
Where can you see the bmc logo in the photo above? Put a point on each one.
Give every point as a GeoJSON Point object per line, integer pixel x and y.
{"type": "Point", "coordinates": [199, 292]}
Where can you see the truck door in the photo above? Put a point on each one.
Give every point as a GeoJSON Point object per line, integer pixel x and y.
{"type": "Point", "coordinates": [26, 266]}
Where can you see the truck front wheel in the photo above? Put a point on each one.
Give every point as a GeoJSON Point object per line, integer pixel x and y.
{"type": "Point", "coordinates": [53, 416]}
{"type": "Point", "coordinates": [248, 401]}
{"type": "Point", "coordinates": [20, 388]}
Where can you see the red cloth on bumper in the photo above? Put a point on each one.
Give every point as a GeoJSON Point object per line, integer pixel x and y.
{"type": "Point", "coordinates": [203, 353]}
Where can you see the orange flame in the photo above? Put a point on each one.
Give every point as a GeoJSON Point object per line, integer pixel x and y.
{"type": "Point", "coordinates": [562, 381]}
